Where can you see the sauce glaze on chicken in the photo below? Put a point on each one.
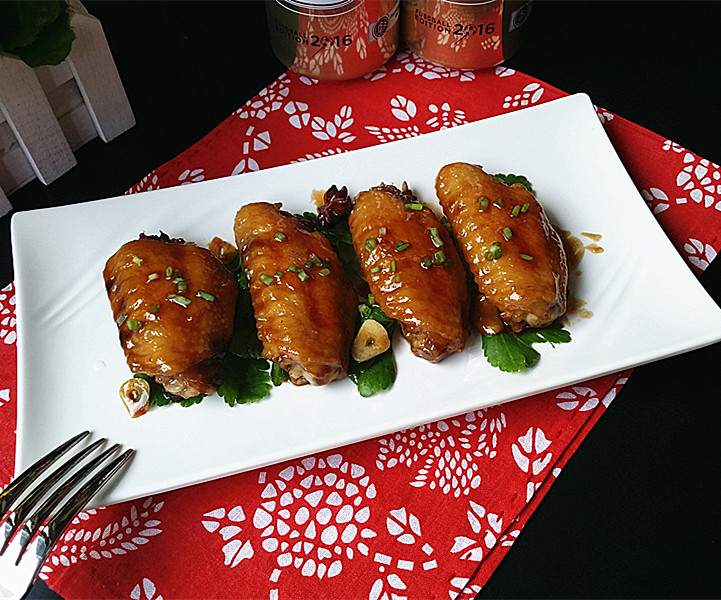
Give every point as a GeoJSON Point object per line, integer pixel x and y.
{"type": "Point", "coordinates": [514, 254]}
{"type": "Point", "coordinates": [412, 268]}
{"type": "Point", "coordinates": [304, 303]}
{"type": "Point", "coordinates": [174, 306]}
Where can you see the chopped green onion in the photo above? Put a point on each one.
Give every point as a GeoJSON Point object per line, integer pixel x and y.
{"type": "Point", "coordinates": [324, 272]}
{"type": "Point", "coordinates": [447, 224]}
{"type": "Point", "coordinates": [396, 279]}
{"type": "Point", "coordinates": [483, 201]}
{"type": "Point", "coordinates": [154, 308]}
{"type": "Point", "coordinates": [182, 286]}
{"type": "Point", "coordinates": [134, 324]}
{"type": "Point", "coordinates": [526, 257]}
{"type": "Point", "coordinates": [494, 252]}
{"type": "Point", "coordinates": [137, 260]}
{"type": "Point", "coordinates": [266, 279]}
{"type": "Point", "coordinates": [507, 233]}
{"type": "Point", "coordinates": [313, 261]}
{"type": "Point", "coordinates": [121, 319]}
{"type": "Point", "coordinates": [371, 243]}
{"type": "Point", "coordinates": [435, 238]}
{"type": "Point", "coordinates": [205, 296]}
{"type": "Point", "coordinates": [182, 300]}
{"type": "Point", "coordinates": [279, 273]}
{"type": "Point", "coordinates": [393, 266]}
{"type": "Point", "coordinates": [498, 202]}
{"type": "Point", "coordinates": [371, 299]}
{"type": "Point", "coordinates": [516, 210]}
{"type": "Point", "coordinates": [153, 276]}
{"type": "Point", "coordinates": [439, 257]}
{"type": "Point", "coordinates": [169, 272]}
{"type": "Point", "coordinates": [302, 275]}
{"type": "Point", "coordinates": [525, 207]}
{"type": "Point", "coordinates": [375, 269]}
{"type": "Point", "coordinates": [279, 236]}
{"type": "Point", "coordinates": [426, 263]}
{"type": "Point", "coordinates": [413, 206]}
{"type": "Point", "coordinates": [400, 246]}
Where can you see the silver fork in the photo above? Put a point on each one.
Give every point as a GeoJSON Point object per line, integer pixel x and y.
{"type": "Point", "coordinates": [35, 509]}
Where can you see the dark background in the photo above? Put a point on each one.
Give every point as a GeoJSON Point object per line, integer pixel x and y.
{"type": "Point", "coordinates": [635, 512]}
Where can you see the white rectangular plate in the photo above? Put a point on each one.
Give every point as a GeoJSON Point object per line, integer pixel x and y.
{"type": "Point", "coordinates": [70, 364]}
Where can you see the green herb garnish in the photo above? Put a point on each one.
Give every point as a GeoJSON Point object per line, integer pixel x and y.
{"type": "Point", "coordinates": [512, 353]}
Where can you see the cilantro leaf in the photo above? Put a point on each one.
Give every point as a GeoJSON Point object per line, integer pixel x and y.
{"type": "Point", "coordinates": [553, 334]}
{"type": "Point", "coordinates": [244, 379]}
{"type": "Point", "coordinates": [512, 353]}
{"type": "Point", "coordinates": [507, 352]}
{"type": "Point", "coordinates": [374, 375]}
{"type": "Point", "coordinates": [510, 179]}
{"type": "Point", "coordinates": [278, 374]}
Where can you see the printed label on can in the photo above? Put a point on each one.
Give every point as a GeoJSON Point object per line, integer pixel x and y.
{"type": "Point", "coordinates": [378, 28]}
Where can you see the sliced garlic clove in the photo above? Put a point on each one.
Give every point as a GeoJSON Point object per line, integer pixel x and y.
{"type": "Point", "coordinates": [372, 339]}
{"type": "Point", "coordinates": [135, 394]}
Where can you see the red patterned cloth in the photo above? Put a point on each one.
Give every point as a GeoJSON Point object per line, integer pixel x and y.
{"type": "Point", "coordinates": [427, 512]}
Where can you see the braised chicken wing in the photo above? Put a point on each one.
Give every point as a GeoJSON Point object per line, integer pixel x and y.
{"type": "Point", "coordinates": [412, 268]}
{"type": "Point", "coordinates": [174, 305]}
{"type": "Point", "coordinates": [515, 255]}
{"type": "Point", "coordinates": [304, 304]}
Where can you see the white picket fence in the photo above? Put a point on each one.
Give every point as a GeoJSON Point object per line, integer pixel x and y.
{"type": "Point", "coordinates": [49, 112]}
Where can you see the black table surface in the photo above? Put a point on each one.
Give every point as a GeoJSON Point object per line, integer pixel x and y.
{"type": "Point", "coordinates": [635, 511]}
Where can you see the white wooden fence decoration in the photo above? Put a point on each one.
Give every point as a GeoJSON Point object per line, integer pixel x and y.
{"type": "Point", "coordinates": [49, 112]}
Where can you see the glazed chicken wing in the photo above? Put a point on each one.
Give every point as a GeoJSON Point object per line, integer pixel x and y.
{"type": "Point", "coordinates": [516, 257]}
{"type": "Point", "coordinates": [304, 303]}
{"type": "Point", "coordinates": [413, 269]}
{"type": "Point", "coordinates": [174, 304]}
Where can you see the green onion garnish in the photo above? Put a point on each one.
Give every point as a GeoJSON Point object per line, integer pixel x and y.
{"type": "Point", "coordinates": [507, 233]}
{"type": "Point", "coordinates": [483, 201]}
{"type": "Point", "coordinates": [375, 269]}
{"type": "Point", "coordinates": [426, 263]}
{"type": "Point", "coordinates": [153, 276]}
{"type": "Point", "coordinates": [182, 300]}
{"type": "Point", "coordinates": [435, 238]}
{"type": "Point", "coordinates": [446, 223]}
{"type": "Point", "coordinates": [182, 286]}
{"type": "Point", "coordinates": [134, 324]}
{"type": "Point", "coordinates": [302, 275]}
{"type": "Point", "coordinates": [397, 279]}
{"type": "Point", "coordinates": [279, 236]}
{"type": "Point", "coordinates": [494, 252]}
{"type": "Point", "coordinates": [121, 319]}
{"type": "Point", "coordinates": [439, 257]}
{"type": "Point", "coordinates": [205, 296]}
{"type": "Point", "coordinates": [393, 266]}
{"type": "Point", "coordinates": [400, 246]}
{"type": "Point", "coordinates": [313, 261]}
{"type": "Point", "coordinates": [498, 202]}
{"type": "Point", "coordinates": [324, 272]}
{"type": "Point", "coordinates": [525, 207]}
{"type": "Point", "coordinates": [413, 206]}
{"type": "Point", "coordinates": [516, 210]}
{"type": "Point", "coordinates": [169, 272]}
{"type": "Point", "coordinates": [371, 243]}
{"type": "Point", "coordinates": [279, 273]}
{"type": "Point", "coordinates": [137, 260]}
{"type": "Point", "coordinates": [526, 257]}
{"type": "Point", "coordinates": [266, 279]}
{"type": "Point", "coordinates": [371, 299]}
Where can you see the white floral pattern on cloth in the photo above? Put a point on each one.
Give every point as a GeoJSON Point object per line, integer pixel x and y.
{"type": "Point", "coordinates": [254, 141]}
{"type": "Point", "coordinates": [486, 527]}
{"type": "Point", "coordinates": [89, 537]}
{"type": "Point", "coordinates": [191, 176]}
{"type": "Point", "coordinates": [444, 454]}
{"type": "Point", "coordinates": [8, 330]}
{"type": "Point", "coordinates": [268, 100]}
{"type": "Point", "coordinates": [145, 590]}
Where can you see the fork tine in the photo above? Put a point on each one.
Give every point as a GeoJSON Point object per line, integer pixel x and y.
{"type": "Point", "coordinates": [17, 515]}
{"type": "Point", "coordinates": [34, 521]}
{"type": "Point", "coordinates": [13, 491]}
{"type": "Point", "coordinates": [52, 530]}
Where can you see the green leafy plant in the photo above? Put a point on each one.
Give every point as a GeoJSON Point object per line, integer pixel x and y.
{"type": "Point", "coordinates": [36, 31]}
